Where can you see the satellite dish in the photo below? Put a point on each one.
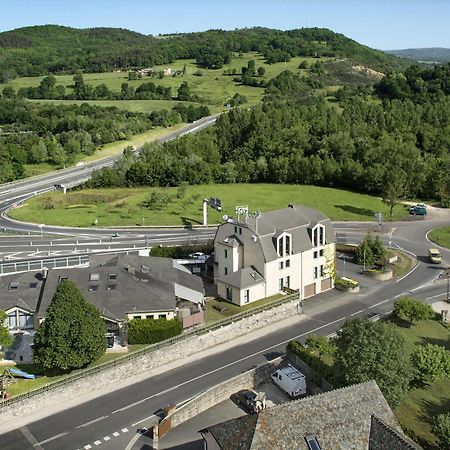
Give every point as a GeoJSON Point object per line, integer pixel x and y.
{"type": "Point", "coordinates": [225, 217]}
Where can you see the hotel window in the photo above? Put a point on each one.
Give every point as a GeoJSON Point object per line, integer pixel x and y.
{"type": "Point", "coordinates": [321, 271]}
{"type": "Point", "coordinates": [280, 246]}
{"type": "Point", "coordinates": [229, 294]}
{"type": "Point", "coordinates": [246, 296]}
{"type": "Point", "coordinates": [315, 272]}
{"type": "Point", "coordinates": [287, 241]}
{"type": "Point", "coordinates": [321, 235]}
{"type": "Point", "coordinates": [315, 254]}
{"type": "Point", "coordinates": [226, 253]}
{"type": "Point", "coordinates": [226, 270]}
{"type": "Point", "coordinates": [288, 263]}
{"type": "Point", "coordinates": [280, 265]}
{"type": "Point", "coordinates": [321, 252]}
{"type": "Point", "coordinates": [287, 281]}
{"type": "Point", "coordinates": [280, 284]}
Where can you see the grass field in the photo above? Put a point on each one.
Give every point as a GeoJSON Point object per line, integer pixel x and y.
{"type": "Point", "coordinates": [423, 403]}
{"type": "Point", "coordinates": [125, 207]}
{"type": "Point", "coordinates": [213, 87]}
{"type": "Point", "coordinates": [441, 236]}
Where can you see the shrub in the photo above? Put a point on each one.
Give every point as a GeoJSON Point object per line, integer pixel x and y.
{"type": "Point", "coordinates": [432, 363]}
{"type": "Point", "coordinates": [315, 363]}
{"type": "Point", "coordinates": [441, 429]}
{"type": "Point", "coordinates": [411, 310]}
{"type": "Point", "coordinates": [150, 331]}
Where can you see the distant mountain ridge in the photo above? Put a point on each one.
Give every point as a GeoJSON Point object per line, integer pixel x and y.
{"type": "Point", "coordinates": [436, 54]}
{"type": "Point", "coordinates": [38, 50]}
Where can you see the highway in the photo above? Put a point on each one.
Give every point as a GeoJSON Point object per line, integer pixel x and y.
{"type": "Point", "coordinates": [111, 420]}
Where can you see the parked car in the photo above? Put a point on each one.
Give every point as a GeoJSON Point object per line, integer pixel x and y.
{"type": "Point", "coordinates": [418, 211]}
{"type": "Point", "coordinates": [252, 401]}
{"type": "Point", "coordinates": [434, 255]}
{"type": "Point", "coordinates": [197, 255]}
{"type": "Point", "coordinates": [291, 381]}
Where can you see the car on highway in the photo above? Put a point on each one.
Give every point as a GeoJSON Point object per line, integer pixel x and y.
{"type": "Point", "coordinates": [115, 235]}
{"type": "Point", "coordinates": [418, 210]}
{"type": "Point", "coordinates": [197, 255]}
{"type": "Point", "coordinates": [435, 255]}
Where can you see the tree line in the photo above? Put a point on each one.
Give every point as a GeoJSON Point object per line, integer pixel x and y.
{"type": "Point", "coordinates": [398, 145]}
{"type": "Point", "coordinates": [40, 50]}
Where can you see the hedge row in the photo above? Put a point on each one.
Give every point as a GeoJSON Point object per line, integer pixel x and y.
{"type": "Point", "coordinates": [314, 362]}
{"type": "Point", "coordinates": [150, 331]}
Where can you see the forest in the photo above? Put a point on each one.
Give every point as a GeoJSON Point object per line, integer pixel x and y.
{"type": "Point", "coordinates": [40, 50]}
{"type": "Point", "coordinates": [383, 144]}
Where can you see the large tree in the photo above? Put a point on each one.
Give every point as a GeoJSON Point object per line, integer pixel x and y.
{"type": "Point", "coordinates": [72, 334]}
{"type": "Point", "coordinates": [374, 351]}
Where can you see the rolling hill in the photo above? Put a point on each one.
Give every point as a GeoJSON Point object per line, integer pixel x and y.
{"type": "Point", "coordinates": [432, 54]}
{"type": "Point", "coordinates": [38, 50]}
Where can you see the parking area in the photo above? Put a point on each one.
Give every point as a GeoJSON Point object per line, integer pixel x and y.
{"type": "Point", "coordinates": [187, 436]}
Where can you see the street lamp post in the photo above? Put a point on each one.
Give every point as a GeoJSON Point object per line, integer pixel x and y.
{"type": "Point", "coordinates": [448, 283]}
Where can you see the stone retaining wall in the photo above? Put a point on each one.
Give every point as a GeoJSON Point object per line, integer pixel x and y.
{"type": "Point", "coordinates": [222, 391]}
{"type": "Point", "coordinates": [137, 366]}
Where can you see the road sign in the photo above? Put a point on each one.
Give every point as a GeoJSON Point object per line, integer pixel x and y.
{"type": "Point", "coordinates": [379, 217]}
{"type": "Point", "coordinates": [241, 210]}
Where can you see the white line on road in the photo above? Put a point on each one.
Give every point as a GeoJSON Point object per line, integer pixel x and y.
{"type": "Point", "coordinates": [97, 442]}
{"type": "Point", "coordinates": [358, 312]}
{"type": "Point", "coordinates": [53, 438]}
{"type": "Point", "coordinates": [124, 430]}
{"type": "Point", "coordinates": [409, 273]}
{"type": "Point", "coordinates": [435, 296]}
{"type": "Point", "coordinates": [143, 420]}
{"type": "Point", "coordinates": [92, 421]}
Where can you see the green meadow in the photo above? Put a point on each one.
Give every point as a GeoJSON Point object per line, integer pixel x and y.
{"type": "Point", "coordinates": [183, 206]}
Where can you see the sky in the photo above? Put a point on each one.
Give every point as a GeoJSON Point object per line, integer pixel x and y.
{"type": "Point", "coordinates": [382, 24]}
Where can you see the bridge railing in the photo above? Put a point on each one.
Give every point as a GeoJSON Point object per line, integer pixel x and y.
{"type": "Point", "coordinates": [79, 374]}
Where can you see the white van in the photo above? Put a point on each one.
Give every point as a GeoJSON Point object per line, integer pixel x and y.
{"type": "Point", "coordinates": [290, 380]}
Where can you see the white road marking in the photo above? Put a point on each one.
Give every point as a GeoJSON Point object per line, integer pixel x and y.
{"type": "Point", "coordinates": [106, 438]}
{"type": "Point", "coordinates": [409, 273]}
{"type": "Point", "coordinates": [124, 430]}
{"type": "Point", "coordinates": [379, 303]}
{"type": "Point", "coordinates": [115, 434]}
{"type": "Point", "coordinates": [97, 442]}
{"type": "Point", "coordinates": [435, 296]}
{"type": "Point", "coordinates": [358, 312]}
{"type": "Point", "coordinates": [87, 447]}
{"type": "Point", "coordinates": [53, 438]}
{"type": "Point", "coordinates": [92, 421]}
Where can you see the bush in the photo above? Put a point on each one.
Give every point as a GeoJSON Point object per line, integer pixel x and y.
{"type": "Point", "coordinates": [150, 331]}
{"type": "Point", "coordinates": [315, 363]}
{"type": "Point", "coordinates": [432, 363]}
{"type": "Point", "coordinates": [441, 429]}
{"type": "Point", "coordinates": [182, 250]}
{"type": "Point", "coordinates": [411, 310]}
{"type": "Point", "coordinates": [346, 282]}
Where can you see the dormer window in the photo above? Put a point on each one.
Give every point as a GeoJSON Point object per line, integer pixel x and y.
{"type": "Point", "coordinates": [284, 245]}
{"type": "Point", "coordinates": [318, 236]}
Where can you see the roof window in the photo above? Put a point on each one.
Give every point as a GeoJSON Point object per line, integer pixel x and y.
{"type": "Point", "coordinates": [312, 442]}
{"type": "Point", "coordinates": [94, 277]}
{"type": "Point", "coordinates": [14, 285]}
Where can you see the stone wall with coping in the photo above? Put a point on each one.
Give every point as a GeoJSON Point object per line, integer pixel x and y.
{"type": "Point", "coordinates": [151, 360]}
{"type": "Point", "coordinates": [223, 391]}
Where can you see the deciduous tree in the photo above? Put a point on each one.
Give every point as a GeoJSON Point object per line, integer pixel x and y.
{"type": "Point", "coordinates": [374, 351]}
{"type": "Point", "coordinates": [72, 334]}
{"type": "Point", "coordinates": [431, 362]}
{"type": "Point", "coordinates": [411, 310]}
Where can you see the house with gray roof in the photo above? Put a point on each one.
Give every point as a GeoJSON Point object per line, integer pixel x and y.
{"type": "Point", "coordinates": [122, 287]}
{"type": "Point", "coordinates": [259, 257]}
{"type": "Point", "coordinates": [357, 417]}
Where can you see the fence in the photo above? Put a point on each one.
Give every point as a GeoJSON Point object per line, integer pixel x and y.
{"type": "Point", "coordinates": [74, 376]}
{"type": "Point", "coordinates": [59, 262]}
{"type": "Point", "coordinates": [194, 319]}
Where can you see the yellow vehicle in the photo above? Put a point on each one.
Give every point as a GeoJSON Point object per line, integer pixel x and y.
{"type": "Point", "coordinates": [434, 255]}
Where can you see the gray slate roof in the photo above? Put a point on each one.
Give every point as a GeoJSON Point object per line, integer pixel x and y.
{"type": "Point", "coordinates": [24, 297]}
{"type": "Point", "coordinates": [340, 419]}
{"type": "Point", "coordinates": [144, 284]}
{"type": "Point", "coordinates": [297, 220]}
{"type": "Point", "coordinates": [243, 278]}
